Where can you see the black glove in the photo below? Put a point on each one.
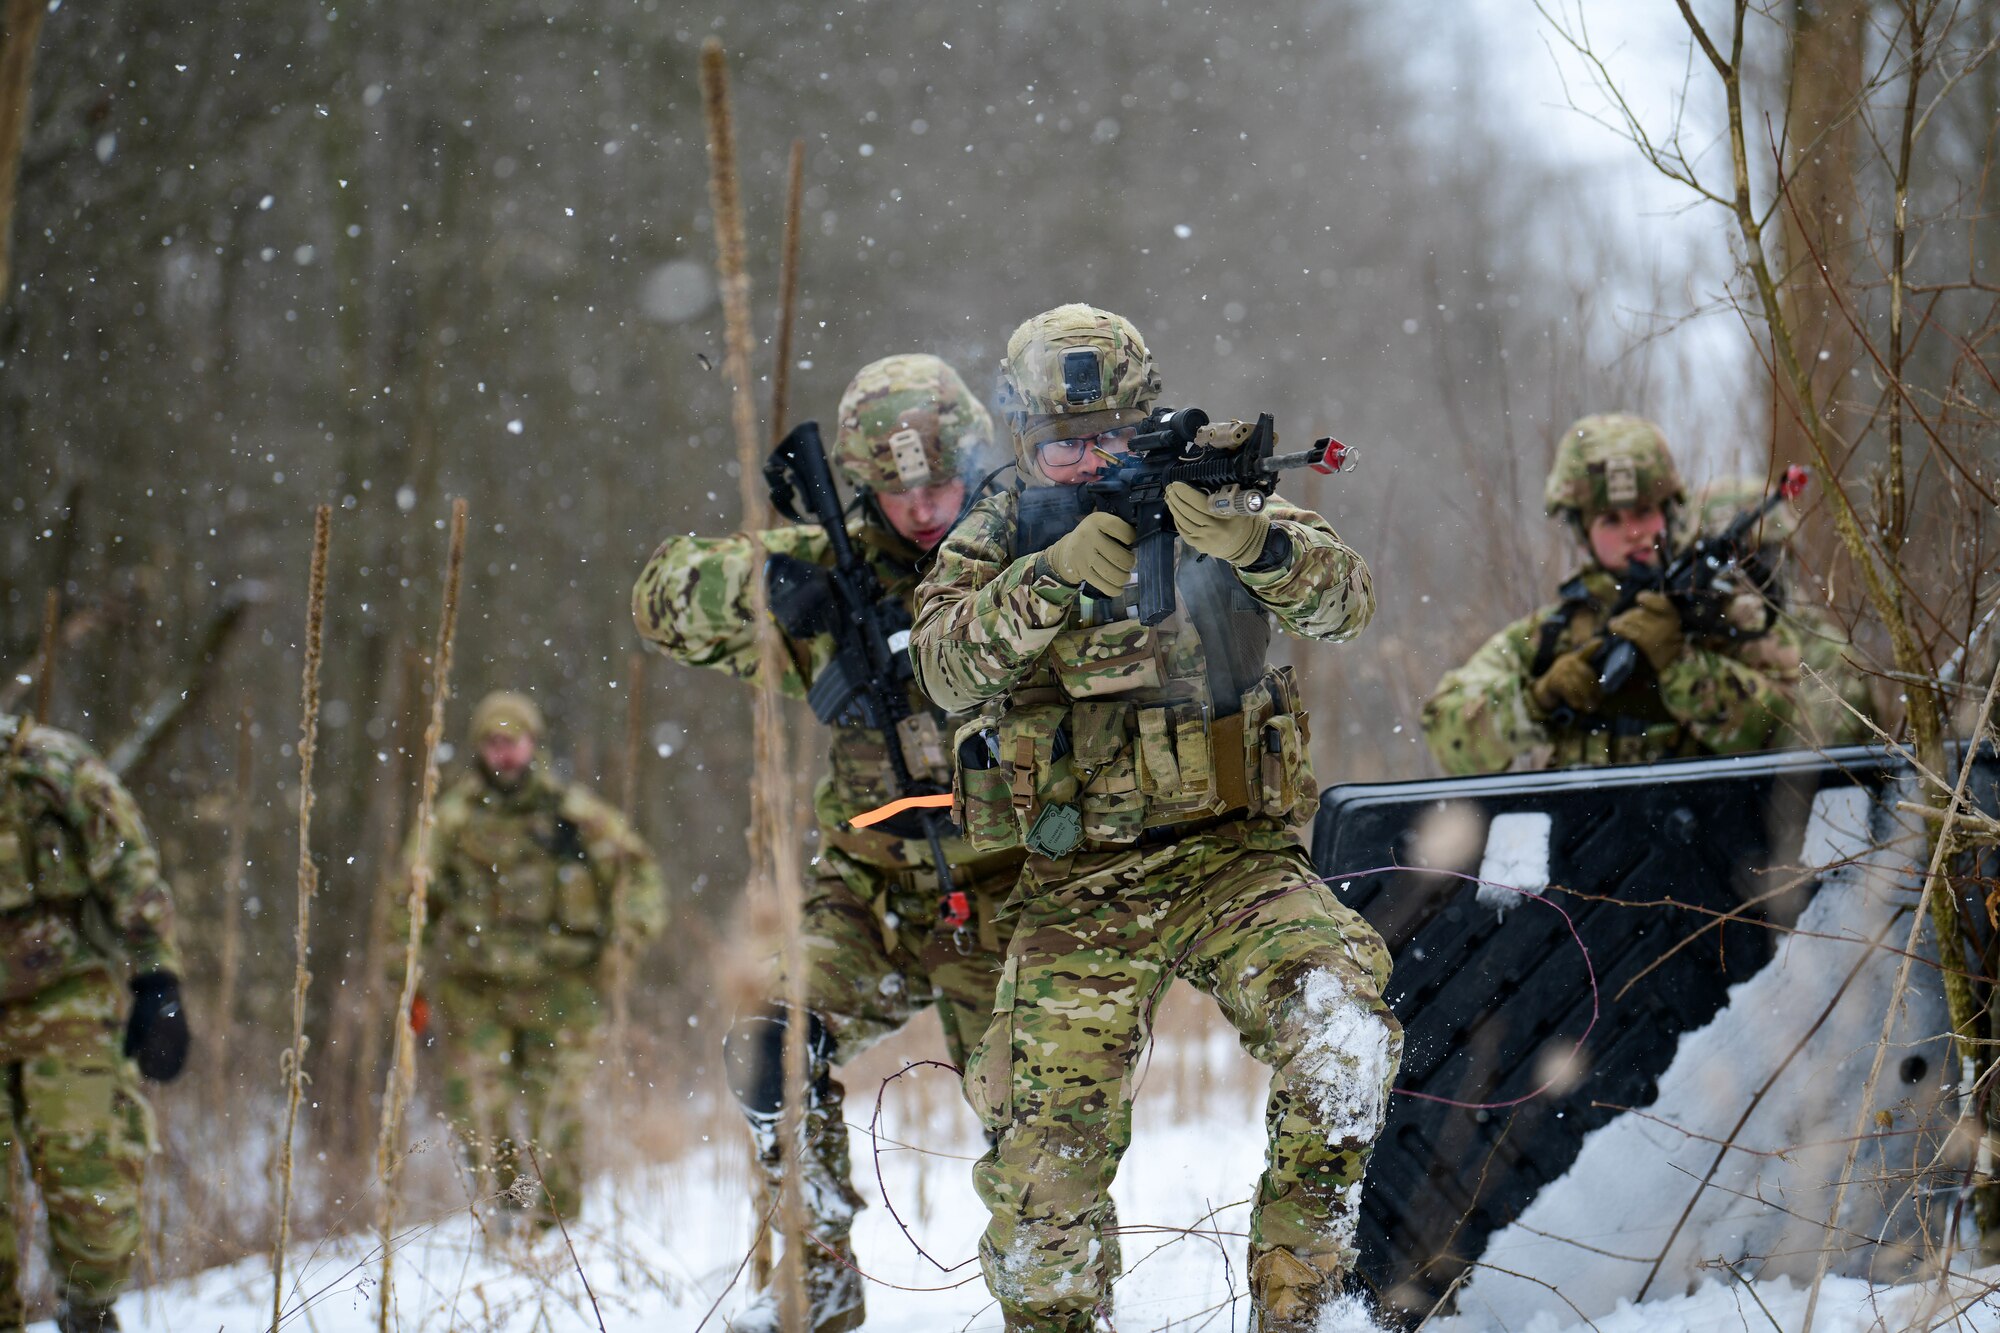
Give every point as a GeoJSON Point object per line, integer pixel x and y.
{"type": "Point", "coordinates": [156, 1035]}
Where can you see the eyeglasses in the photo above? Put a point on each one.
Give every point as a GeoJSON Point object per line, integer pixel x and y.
{"type": "Point", "coordinates": [1068, 453]}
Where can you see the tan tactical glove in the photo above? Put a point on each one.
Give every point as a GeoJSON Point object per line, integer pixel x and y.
{"type": "Point", "coordinates": [1236, 539]}
{"type": "Point", "coordinates": [1097, 551]}
{"type": "Point", "coordinates": [1570, 681]}
{"type": "Point", "coordinates": [1653, 626]}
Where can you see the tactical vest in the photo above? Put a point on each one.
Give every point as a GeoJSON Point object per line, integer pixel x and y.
{"type": "Point", "coordinates": [1126, 733]}
{"type": "Point", "coordinates": [527, 898]}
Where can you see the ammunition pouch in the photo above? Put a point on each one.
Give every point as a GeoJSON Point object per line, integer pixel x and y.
{"type": "Point", "coordinates": [40, 862]}
{"type": "Point", "coordinates": [1129, 770]}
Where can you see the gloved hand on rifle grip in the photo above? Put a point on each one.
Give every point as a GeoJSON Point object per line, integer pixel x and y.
{"type": "Point", "coordinates": [1236, 539]}
{"type": "Point", "coordinates": [156, 1034]}
{"type": "Point", "coordinates": [1653, 626]}
{"type": "Point", "coordinates": [1570, 682]}
{"type": "Point", "coordinates": [1097, 551]}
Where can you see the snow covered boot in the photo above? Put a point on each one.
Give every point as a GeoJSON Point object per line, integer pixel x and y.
{"type": "Point", "coordinates": [1291, 1293]}
{"type": "Point", "coordinates": [753, 1060]}
{"type": "Point", "coordinates": [81, 1318]}
{"type": "Point", "coordinates": [833, 1297]}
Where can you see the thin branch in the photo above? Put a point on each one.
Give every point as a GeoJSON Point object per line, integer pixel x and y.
{"type": "Point", "coordinates": [402, 1062]}
{"type": "Point", "coordinates": [295, 1055]}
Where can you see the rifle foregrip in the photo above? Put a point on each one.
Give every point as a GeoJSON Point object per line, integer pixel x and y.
{"type": "Point", "coordinates": [1156, 577]}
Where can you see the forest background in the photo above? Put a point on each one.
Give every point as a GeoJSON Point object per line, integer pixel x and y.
{"type": "Point", "coordinates": [272, 255]}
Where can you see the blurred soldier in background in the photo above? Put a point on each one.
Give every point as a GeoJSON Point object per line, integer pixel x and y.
{"type": "Point", "coordinates": [534, 881]}
{"type": "Point", "coordinates": [81, 899]}
{"type": "Point", "coordinates": [882, 940]}
{"type": "Point", "coordinates": [1153, 773]}
{"type": "Point", "coordinates": [1531, 698]}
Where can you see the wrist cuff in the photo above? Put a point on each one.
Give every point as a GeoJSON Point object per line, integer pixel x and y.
{"type": "Point", "coordinates": [1277, 553]}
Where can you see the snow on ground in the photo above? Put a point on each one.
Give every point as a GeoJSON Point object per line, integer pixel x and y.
{"type": "Point", "coordinates": [662, 1249]}
{"type": "Point", "coordinates": [659, 1248]}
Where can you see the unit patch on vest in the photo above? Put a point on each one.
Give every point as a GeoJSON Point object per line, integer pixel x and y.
{"type": "Point", "coordinates": [913, 466]}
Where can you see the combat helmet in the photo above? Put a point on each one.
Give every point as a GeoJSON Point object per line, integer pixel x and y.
{"type": "Point", "coordinates": [1075, 370]}
{"type": "Point", "coordinates": [909, 421]}
{"type": "Point", "coordinates": [1611, 461]}
{"type": "Point", "coordinates": [505, 710]}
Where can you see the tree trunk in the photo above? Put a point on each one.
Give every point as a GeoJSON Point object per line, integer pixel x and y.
{"type": "Point", "coordinates": [17, 75]}
{"type": "Point", "coordinates": [1822, 214]}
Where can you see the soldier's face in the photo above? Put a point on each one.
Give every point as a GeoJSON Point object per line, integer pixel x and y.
{"type": "Point", "coordinates": [923, 515]}
{"type": "Point", "coordinates": [1621, 538]}
{"type": "Point", "coordinates": [507, 754]}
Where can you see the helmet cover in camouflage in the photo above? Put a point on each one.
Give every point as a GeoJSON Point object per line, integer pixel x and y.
{"type": "Point", "coordinates": [505, 711]}
{"type": "Point", "coordinates": [1718, 503]}
{"type": "Point", "coordinates": [1075, 370]}
{"type": "Point", "coordinates": [1611, 461]}
{"type": "Point", "coordinates": [906, 422]}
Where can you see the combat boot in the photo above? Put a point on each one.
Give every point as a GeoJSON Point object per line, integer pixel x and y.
{"type": "Point", "coordinates": [81, 1318]}
{"type": "Point", "coordinates": [833, 1296]}
{"type": "Point", "coordinates": [1293, 1293]}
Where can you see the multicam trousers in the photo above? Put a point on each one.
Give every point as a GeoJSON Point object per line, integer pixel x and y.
{"type": "Point", "coordinates": [520, 1057]}
{"type": "Point", "coordinates": [1298, 974]}
{"type": "Point", "coordinates": [875, 955]}
{"type": "Point", "coordinates": [72, 1099]}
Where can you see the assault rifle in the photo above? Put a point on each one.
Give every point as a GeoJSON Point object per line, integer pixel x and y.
{"type": "Point", "coordinates": [1689, 581]}
{"type": "Point", "coordinates": [1237, 478]}
{"type": "Point", "coordinates": [867, 680]}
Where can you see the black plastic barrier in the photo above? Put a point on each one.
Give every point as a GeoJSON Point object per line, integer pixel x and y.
{"type": "Point", "coordinates": [1646, 859]}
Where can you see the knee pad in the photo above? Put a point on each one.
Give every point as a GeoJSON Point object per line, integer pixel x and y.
{"type": "Point", "coordinates": [753, 1058]}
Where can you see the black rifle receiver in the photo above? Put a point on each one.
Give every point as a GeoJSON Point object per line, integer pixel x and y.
{"type": "Point", "coordinates": [867, 680]}
{"type": "Point", "coordinates": [1237, 479]}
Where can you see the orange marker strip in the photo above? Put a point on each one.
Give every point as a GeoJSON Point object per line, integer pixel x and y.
{"type": "Point", "coordinates": [941, 801]}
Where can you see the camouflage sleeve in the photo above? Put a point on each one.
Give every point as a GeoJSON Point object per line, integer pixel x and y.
{"type": "Point", "coordinates": [692, 601]}
{"type": "Point", "coordinates": [1481, 717]}
{"type": "Point", "coordinates": [983, 618]}
{"type": "Point", "coordinates": [1324, 591]}
{"type": "Point", "coordinates": [619, 854]}
{"type": "Point", "coordinates": [1727, 705]}
{"type": "Point", "coordinates": [125, 870]}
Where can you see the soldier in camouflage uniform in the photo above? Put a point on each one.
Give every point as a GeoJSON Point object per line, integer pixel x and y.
{"type": "Point", "coordinates": [81, 899]}
{"type": "Point", "coordinates": [534, 882]}
{"type": "Point", "coordinates": [1530, 698]}
{"type": "Point", "coordinates": [880, 941]}
{"type": "Point", "coordinates": [1154, 776]}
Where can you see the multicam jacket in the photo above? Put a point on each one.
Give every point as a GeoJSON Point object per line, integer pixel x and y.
{"type": "Point", "coordinates": [693, 602]}
{"type": "Point", "coordinates": [1718, 697]}
{"type": "Point", "coordinates": [80, 883]}
{"type": "Point", "coordinates": [1088, 708]}
{"type": "Point", "coordinates": [524, 882]}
